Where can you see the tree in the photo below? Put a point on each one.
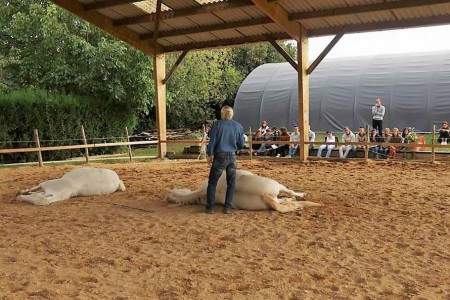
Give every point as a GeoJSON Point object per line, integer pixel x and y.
{"type": "Point", "coordinates": [51, 49]}
{"type": "Point", "coordinates": [247, 58]}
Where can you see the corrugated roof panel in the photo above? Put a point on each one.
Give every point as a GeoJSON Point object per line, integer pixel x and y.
{"type": "Point", "coordinates": [138, 28]}
{"type": "Point", "coordinates": [315, 23]}
{"type": "Point", "coordinates": [293, 6]}
{"type": "Point", "coordinates": [440, 10]}
{"type": "Point", "coordinates": [110, 13]}
{"type": "Point", "coordinates": [272, 28]}
{"type": "Point", "coordinates": [255, 30]}
{"type": "Point", "coordinates": [253, 12]}
{"type": "Point", "coordinates": [418, 12]}
{"type": "Point", "coordinates": [228, 34]}
{"type": "Point", "coordinates": [205, 19]}
{"type": "Point", "coordinates": [342, 20]}
{"type": "Point", "coordinates": [202, 37]}
{"type": "Point", "coordinates": [232, 15]}
{"type": "Point", "coordinates": [162, 26]}
{"type": "Point", "coordinates": [178, 40]}
{"type": "Point", "coordinates": [164, 43]}
{"type": "Point", "coordinates": [376, 17]}
{"type": "Point", "coordinates": [180, 23]}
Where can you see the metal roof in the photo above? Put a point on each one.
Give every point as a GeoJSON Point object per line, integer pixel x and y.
{"type": "Point", "coordinates": [200, 24]}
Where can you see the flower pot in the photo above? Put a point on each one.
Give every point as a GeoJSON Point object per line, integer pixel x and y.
{"type": "Point", "coordinates": [413, 147]}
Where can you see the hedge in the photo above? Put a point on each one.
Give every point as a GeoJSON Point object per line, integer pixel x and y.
{"type": "Point", "coordinates": [58, 119]}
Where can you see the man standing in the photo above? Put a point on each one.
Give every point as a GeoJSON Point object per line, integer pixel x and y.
{"type": "Point", "coordinates": [378, 111]}
{"type": "Point", "coordinates": [226, 137]}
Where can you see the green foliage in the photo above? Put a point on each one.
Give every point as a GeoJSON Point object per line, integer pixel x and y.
{"type": "Point", "coordinates": [51, 49]}
{"type": "Point", "coordinates": [58, 119]}
{"type": "Point", "coordinates": [45, 47]}
{"type": "Point", "coordinates": [247, 58]}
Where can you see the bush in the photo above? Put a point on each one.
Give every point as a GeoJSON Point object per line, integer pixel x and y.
{"type": "Point", "coordinates": [58, 119]}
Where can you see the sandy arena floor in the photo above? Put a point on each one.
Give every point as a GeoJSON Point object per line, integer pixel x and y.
{"type": "Point", "coordinates": [383, 233]}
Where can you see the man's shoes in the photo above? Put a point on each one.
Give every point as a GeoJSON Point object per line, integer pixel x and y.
{"type": "Point", "coordinates": [278, 155]}
{"type": "Point", "coordinates": [227, 211]}
{"type": "Point", "coordinates": [209, 211]}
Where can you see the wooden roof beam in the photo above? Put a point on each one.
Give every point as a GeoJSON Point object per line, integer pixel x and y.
{"type": "Point", "coordinates": [106, 24]}
{"type": "Point", "coordinates": [324, 52]}
{"type": "Point", "coordinates": [221, 26]}
{"type": "Point", "coordinates": [283, 53]}
{"type": "Point", "coordinates": [398, 24]}
{"type": "Point", "coordinates": [172, 14]}
{"type": "Point", "coordinates": [228, 42]}
{"type": "Point", "coordinates": [107, 3]}
{"type": "Point", "coordinates": [279, 16]}
{"type": "Point", "coordinates": [364, 9]}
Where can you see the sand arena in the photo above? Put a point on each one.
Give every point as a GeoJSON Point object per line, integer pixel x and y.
{"type": "Point", "coordinates": [383, 233]}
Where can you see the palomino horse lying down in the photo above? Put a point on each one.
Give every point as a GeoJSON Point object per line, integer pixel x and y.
{"type": "Point", "coordinates": [252, 192]}
{"type": "Point", "coordinates": [79, 182]}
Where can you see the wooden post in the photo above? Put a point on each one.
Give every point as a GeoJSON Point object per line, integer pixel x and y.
{"type": "Point", "coordinates": [38, 145]}
{"type": "Point", "coordinates": [159, 65]}
{"type": "Point", "coordinates": [303, 91]}
{"type": "Point", "coordinates": [433, 136]}
{"type": "Point", "coordinates": [202, 144]}
{"type": "Point", "coordinates": [129, 146]}
{"type": "Point", "coordinates": [250, 145]}
{"type": "Point", "coordinates": [366, 149]}
{"type": "Point", "coordinates": [86, 150]}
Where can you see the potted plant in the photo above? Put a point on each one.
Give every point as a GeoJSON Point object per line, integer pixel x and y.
{"type": "Point", "coordinates": [413, 138]}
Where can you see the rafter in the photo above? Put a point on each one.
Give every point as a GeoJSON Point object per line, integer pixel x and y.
{"type": "Point", "coordinates": [108, 3]}
{"type": "Point", "coordinates": [279, 16]}
{"type": "Point", "coordinates": [128, 36]}
{"type": "Point", "coordinates": [398, 24]}
{"type": "Point", "coordinates": [284, 54]}
{"type": "Point", "coordinates": [171, 14]}
{"type": "Point", "coordinates": [324, 52]}
{"type": "Point", "coordinates": [228, 42]}
{"type": "Point", "coordinates": [222, 26]}
{"type": "Point", "coordinates": [364, 9]}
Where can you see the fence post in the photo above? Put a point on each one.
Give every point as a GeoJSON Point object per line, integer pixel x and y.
{"type": "Point", "coordinates": [202, 144]}
{"type": "Point", "coordinates": [366, 148]}
{"type": "Point", "coordinates": [38, 145]}
{"type": "Point", "coordinates": [129, 146]}
{"type": "Point", "coordinates": [86, 150]}
{"type": "Point", "coordinates": [250, 138]}
{"type": "Point", "coordinates": [433, 155]}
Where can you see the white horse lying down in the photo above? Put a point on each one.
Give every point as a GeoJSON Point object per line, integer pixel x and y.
{"type": "Point", "coordinates": [252, 192]}
{"type": "Point", "coordinates": [79, 182]}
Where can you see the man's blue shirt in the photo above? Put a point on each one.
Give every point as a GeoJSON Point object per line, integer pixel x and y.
{"type": "Point", "coordinates": [225, 136]}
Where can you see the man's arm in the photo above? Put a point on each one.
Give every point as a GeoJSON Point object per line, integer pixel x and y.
{"type": "Point", "coordinates": [240, 141]}
{"type": "Point", "coordinates": [212, 141]}
{"type": "Point", "coordinates": [383, 110]}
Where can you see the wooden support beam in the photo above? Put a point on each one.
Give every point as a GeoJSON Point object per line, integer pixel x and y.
{"type": "Point", "coordinates": [283, 53]}
{"type": "Point", "coordinates": [38, 146]}
{"type": "Point", "coordinates": [420, 22]}
{"type": "Point", "coordinates": [86, 150]}
{"type": "Point", "coordinates": [157, 19]}
{"type": "Point", "coordinates": [341, 11]}
{"type": "Point", "coordinates": [187, 12]}
{"type": "Point", "coordinates": [303, 91]}
{"type": "Point", "coordinates": [279, 16]}
{"type": "Point", "coordinates": [175, 66]}
{"type": "Point", "coordinates": [325, 52]}
{"type": "Point", "coordinates": [210, 28]}
{"type": "Point", "coordinates": [159, 65]}
{"type": "Point", "coordinates": [106, 24]}
{"type": "Point", "coordinates": [228, 42]}
{"type": "Point", "coordinates": [108, 3]}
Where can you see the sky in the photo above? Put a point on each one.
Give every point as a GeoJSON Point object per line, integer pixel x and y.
{"type": "Point", "coordinates": [422, 39]}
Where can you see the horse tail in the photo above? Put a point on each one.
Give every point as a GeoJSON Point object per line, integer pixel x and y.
{"type": "Point", "coordinates": [122, 186]}
{"type": "Point", "coordinates": [186, 196]}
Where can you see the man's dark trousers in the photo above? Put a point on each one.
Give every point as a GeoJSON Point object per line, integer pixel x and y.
{"type": "Point", "coordinates": [222, 161]}
{"type": "Point", "coordinates": [378, 124]}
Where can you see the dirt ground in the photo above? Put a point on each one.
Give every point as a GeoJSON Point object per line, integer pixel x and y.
{"type": "Point", "coordinates": [382, 233]}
